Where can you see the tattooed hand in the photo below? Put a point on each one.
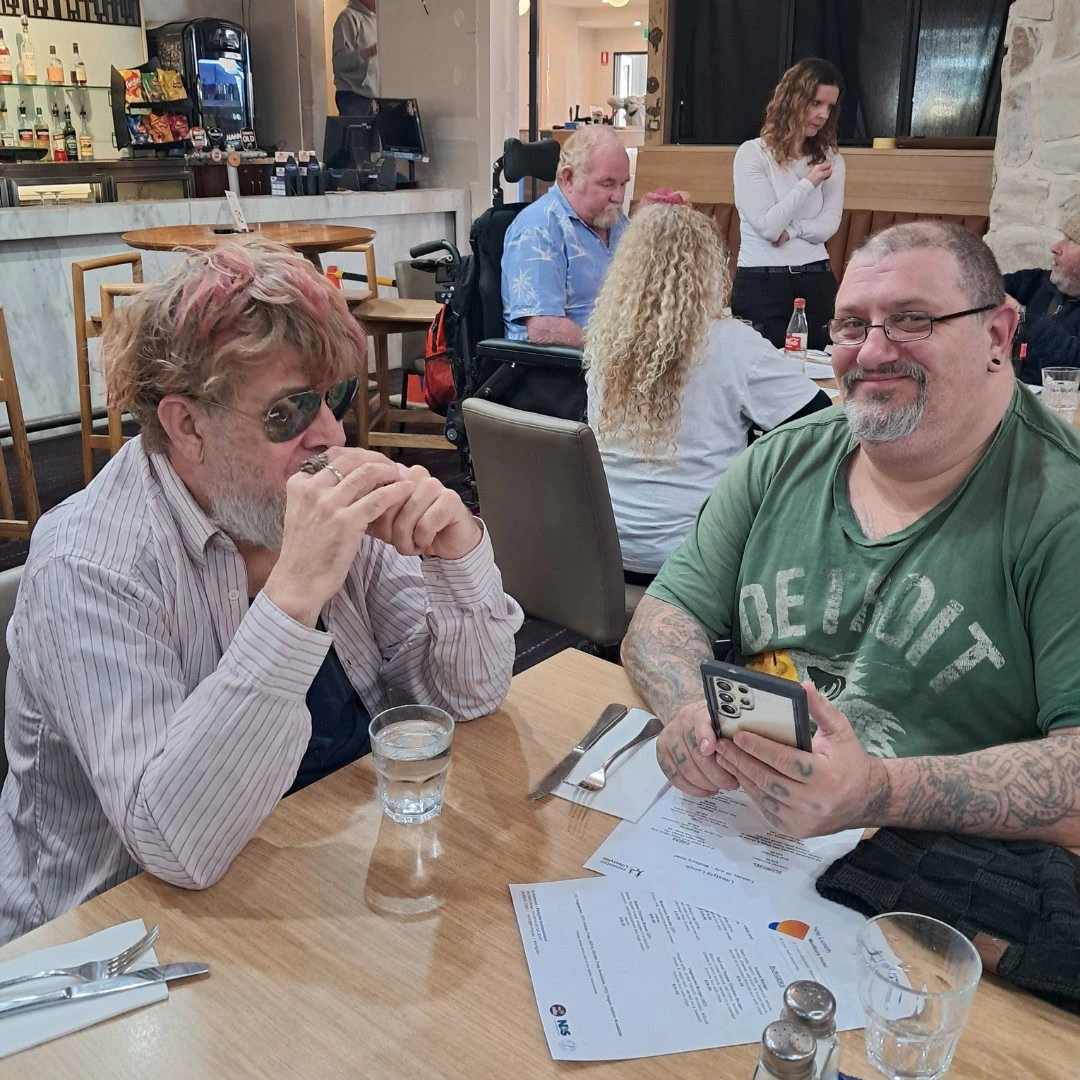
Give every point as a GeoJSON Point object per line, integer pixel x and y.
{"type": "Point", "coordinates": [837, 786]}
{"type": "Point", "coordinates": [686, 751]}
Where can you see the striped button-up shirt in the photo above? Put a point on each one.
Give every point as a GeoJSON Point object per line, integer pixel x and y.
{"type": "Point", "coordinates": [154, 718]}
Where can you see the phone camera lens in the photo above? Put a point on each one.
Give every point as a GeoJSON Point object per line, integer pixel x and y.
{"type": "Point", "coordinates": [723, 685]}
{"type": "Point", "coordinates": [744, 689]}
{"type": "Point", "coordinates": [726, 697]}
{"type": "Point", "coordinates": [746, 701]}
{"type": "Point", "coordinates": [729, 709]}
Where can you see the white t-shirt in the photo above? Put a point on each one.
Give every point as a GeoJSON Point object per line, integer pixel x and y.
{"type": "Point", "coordinates": [740, 381]}
{"type": "Point", "coordinates": [773, 198]}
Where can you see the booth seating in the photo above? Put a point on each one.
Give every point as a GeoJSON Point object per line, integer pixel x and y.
{"type": "Point", "coordinates": [855, 227]}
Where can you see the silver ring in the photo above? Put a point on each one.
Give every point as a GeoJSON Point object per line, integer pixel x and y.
{"type": "Point", "coordinates": [330, 468]}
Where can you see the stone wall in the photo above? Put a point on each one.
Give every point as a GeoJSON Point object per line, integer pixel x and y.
{"type": "Point", "coordinates": [1037, 159]}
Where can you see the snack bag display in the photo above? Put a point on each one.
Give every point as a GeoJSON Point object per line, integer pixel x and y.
{"type": "Point", "coordinates": [172, 85]}
{"type": "Point", "coordinates": [158, 125]}
{"type": "Point", "coordinates": [151, 87]}
{"type": "Point", "coordinates": [137, 130]}
{"type": "Point", "coordinates": [181, 129]}
{"type": "Point", "coordinates": [133, 92]}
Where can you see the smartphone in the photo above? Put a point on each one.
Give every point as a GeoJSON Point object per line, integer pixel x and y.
{"type": "Point", "coordinates": [744, 700]}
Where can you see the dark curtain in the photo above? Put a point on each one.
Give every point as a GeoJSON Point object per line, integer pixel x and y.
{"type": "Point", "coordinates": [727, 56]}
{"type": "Point", "coordinates": [954, 68]}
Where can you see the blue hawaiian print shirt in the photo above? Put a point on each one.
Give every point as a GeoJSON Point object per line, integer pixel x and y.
{"type": "Point", "coordinates": [553, 263]}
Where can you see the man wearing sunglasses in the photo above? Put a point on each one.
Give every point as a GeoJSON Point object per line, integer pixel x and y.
{"type": "Point", "coordinates": [213, 622]}
{"type": "Point", "coordinates": [908, 558]}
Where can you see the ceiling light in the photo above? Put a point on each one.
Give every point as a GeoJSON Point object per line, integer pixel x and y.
{"type": "Point", "coordinates": [637, 22]}
{"type": "Point", "coordinates": [523, 7]}
{"type": "Point", "coordinates": [618, 3]}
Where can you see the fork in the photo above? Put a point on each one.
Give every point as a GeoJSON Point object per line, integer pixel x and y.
{"type": "Point", "coordinates": [94, 969]}
{"type": "Point", "coordinates": [595, 781]}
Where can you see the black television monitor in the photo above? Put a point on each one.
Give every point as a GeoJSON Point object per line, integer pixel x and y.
{"type": "Point", "coordinates": [349, 141]}
{"type": "Point", "coordinates": [400, 130]}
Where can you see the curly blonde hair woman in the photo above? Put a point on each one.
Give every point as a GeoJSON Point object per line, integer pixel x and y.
{"type": "Point", "coordinates": [789, 191]}
{"type": "Point", "coordinates": [674, 387]}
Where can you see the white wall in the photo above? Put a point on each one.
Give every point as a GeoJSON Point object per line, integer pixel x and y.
{"type": "Point", "coordinates": [597, 79]}
{"type": "Point", "coordinates": [156, 12]}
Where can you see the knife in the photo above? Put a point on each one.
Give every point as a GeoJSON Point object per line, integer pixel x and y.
{"type": "Point", "coordinates": [608, 719]}
{"type": "Point", "coordinates": [147, 976]}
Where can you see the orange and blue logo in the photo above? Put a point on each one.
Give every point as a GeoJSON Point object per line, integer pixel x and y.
{"type": "Point", "coordinates": [792, 927]}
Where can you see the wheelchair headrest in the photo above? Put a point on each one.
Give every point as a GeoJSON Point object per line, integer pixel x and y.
{"type": "Point", "coordinates": [539, 159]}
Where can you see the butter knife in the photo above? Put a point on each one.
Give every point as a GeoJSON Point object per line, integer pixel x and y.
{"type": "Point", "coordinates": [82, 991]}
{"type": "Point", "coordinates": [608, 719]}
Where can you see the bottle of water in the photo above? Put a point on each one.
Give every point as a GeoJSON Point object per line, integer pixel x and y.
{"type": "Point", "coordinates": [813, 1005]}
{"type": "Point", "coordinates": [787, 1052]}
{"type": "Point", "coordinates": [795, 339]}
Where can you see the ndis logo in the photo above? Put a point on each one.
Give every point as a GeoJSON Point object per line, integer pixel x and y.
{"type": "Point", "coordinates": [559, 1011]}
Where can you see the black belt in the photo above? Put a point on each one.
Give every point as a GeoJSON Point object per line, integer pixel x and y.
{"type": "Point", "coordinates": [806, 268]}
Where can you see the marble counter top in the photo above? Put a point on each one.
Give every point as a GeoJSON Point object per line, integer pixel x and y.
{"type": "Point", "coordinates": [51, 222]}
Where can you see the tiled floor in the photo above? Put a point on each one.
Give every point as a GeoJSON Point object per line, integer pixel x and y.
{"type": "Point", "coordinates": [58, 471]}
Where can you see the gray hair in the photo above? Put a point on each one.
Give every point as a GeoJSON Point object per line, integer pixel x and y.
{"type": "Point", "coordinates": [980, 275]}
{"type": "Point", "coordinates": [577, 151]}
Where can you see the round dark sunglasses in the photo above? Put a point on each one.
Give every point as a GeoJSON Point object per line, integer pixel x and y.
{"type": "Point", "coordinates": [294, 414]}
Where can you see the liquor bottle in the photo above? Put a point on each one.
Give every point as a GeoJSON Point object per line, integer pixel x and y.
{"type": "Point", "coordinates": [41, 132]}
{"type": "Point", "coordinates": [6, 74]}
{"type": "Point", "coordinates": [78, 68]}
{"type": "Point", "coordinates": [26, 132]}
{"type": "Point", "coordinates": [27, 57]}
{"type": "Point", "coordinates": [795, 338]}
{"type": "Point", "coordinates": [71, 140]}
{"type": "Point", "coordinates": [54, 73]}
{"type": "Point", "coordinates": [7, 136]}
{"type": "Point", "coordinates": [86, 139]}
{"type": "Point", "coordinates": [59, 147]}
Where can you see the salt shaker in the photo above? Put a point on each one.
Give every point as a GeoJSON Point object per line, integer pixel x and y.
{"type": "Point", "coordinates": [787, 1052]}
{"type": "Point", "coordinates": [813, 1006]}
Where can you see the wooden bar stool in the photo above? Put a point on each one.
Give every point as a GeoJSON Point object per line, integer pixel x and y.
{"type": "Point", "coordinates": [115, 438]}
{"type": "Point", "coordinates": [87, 327]}
{"type": "Point", "coordinates": [12, 528]}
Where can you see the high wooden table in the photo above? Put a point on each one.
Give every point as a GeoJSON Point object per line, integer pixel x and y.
{"type": "Point", "coordinates": [308, 239]}
{"type": "Point", "coordinates": [343, 945]}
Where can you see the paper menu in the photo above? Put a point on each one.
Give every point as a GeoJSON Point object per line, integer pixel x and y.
{"type": "Point", "coordinates": [718, 841]}
{"type": "Point", "coordinates": [621, 971]}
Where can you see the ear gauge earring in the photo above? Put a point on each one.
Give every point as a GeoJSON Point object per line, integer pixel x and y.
{"type": "Point", "coordinates": [995, 361]}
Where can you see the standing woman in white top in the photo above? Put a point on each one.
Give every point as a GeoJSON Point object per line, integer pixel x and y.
{"type": "Point", "coordinates": [789, 191]}
{"type": "Point", "coordinates": [674, 387]}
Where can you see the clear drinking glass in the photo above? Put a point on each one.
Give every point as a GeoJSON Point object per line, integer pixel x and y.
{"type": "Point", "coordinates": [411, 748]}
{"type": "Point", "coordinates": [917, 979]}
{"type": "Point", "coordinates": [1061, 391]}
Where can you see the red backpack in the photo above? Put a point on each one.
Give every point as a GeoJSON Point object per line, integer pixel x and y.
{"type": "Point", "coordinates": [439, 390]}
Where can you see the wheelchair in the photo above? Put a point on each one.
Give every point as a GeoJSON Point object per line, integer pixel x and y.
{"type": "Point", "coordinates": [546, 379]}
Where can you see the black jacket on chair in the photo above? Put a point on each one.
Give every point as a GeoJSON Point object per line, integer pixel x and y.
{"type": "Point", "coordinates": [1053, 340]}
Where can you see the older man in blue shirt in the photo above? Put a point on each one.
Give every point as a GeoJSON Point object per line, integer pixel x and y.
{"type": "Point", "coordinates": [557, 250]}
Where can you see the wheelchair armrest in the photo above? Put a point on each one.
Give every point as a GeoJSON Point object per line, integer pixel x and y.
{"type": "Point", "coordinates": [506, 351]}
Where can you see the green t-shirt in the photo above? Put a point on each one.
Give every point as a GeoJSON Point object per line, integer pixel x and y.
{"type": "Point", "coordinates": [960, 632]}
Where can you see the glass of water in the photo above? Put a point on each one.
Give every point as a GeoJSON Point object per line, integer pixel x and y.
{"type": "Point", "coordinates": [411, 748]}
{"type": "Point", "coordinates": [1061, 390]}
{"type": "Point", "coordinates": [917, 979]}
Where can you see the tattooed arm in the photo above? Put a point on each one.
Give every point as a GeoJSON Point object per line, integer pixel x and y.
{"type": "Point", "coordinates": [1017, 791]}
{"type": "Point", "coordinates": [1025, 790]}
{"type": "Point", "coordinates": [662, 654]}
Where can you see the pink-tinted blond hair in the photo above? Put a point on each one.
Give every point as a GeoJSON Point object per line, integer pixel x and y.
{"type": "Point", "coordinates": [201, 329]}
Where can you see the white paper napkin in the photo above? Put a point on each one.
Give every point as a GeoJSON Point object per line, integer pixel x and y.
{"type": "Point", "coordinates": [815, 370]}
{"type": "Point", "coordinates": [634, 782]}
{"type": "Point", "coordinates": [23, 1030]}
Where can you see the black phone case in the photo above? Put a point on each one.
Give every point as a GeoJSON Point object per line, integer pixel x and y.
{"type": "Point", "coordinates": [744, 678]}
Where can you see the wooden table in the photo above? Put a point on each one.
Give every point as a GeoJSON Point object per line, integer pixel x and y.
{"type": "Point", "coordinates": [380, 316]}
{"type": "Point", "coordinates": [310, 240]}
{"type": "Point", "coordinates": [345, 945]}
